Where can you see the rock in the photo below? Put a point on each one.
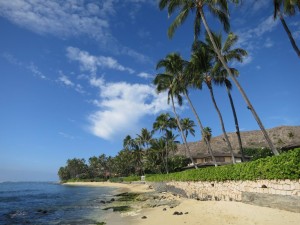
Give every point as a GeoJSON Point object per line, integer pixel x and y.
{"type": "Point", "coordinates": [144, 217]}
{"type": "Point", "coordinates": [103, 202]}
{"type": "Point", "coordinates": [164, 209]}
{"type": "Point", "coordinates": [186, 213]}
{"type": "Point", "coordinates": [112, 200]}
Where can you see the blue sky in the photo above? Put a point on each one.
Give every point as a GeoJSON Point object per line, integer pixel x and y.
{"type": "Point", "coordinates": [76, 77]}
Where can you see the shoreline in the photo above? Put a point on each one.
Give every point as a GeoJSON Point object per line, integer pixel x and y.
{"type": "Point", "coordinates": [194, 212]}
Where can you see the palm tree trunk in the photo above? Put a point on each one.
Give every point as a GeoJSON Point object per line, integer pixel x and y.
{"type": "Point", "coordinates": [287, 30]}
{"type": "Point", "coordinates": [236, 123]}
{"type": "Point", "coordinates": [201, 128]}
{"type": "Point", "coordinates": [182, 134]}
{"type": "Point", "coordinates": [222, 122]}
{"type": "Point", "coordinates": [221, 58]}
{"type": "Point", "coordinates": [167, 169]}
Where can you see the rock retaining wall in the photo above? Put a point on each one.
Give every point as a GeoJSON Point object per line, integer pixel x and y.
{"type": "Point", "coordinates": [282, 194]}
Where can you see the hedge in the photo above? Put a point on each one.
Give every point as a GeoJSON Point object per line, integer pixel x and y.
{"type": "Point", "coordinates": [283, 166]}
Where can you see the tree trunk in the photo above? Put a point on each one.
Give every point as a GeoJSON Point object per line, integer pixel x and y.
{"type": "Point", "coordinates": [182, 134]}
{"type": "Point", "coordinates": [287, 30]}
{"type": "Point", "coordinates": [201, 128]}
{"type": "Point", "coordinates": [221, 58]}
{"type": "Point", "coordinates": [167, 169]}
{"type": "Point", "coordinates": [236, 123]}
{"type": "Point", "coordinates": [221, 121]}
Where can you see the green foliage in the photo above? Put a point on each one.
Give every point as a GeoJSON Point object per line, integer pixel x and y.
{"type": "Point", "coordinates": [257, 153]}
{"type": "Point", "coordinates": [284, 166]}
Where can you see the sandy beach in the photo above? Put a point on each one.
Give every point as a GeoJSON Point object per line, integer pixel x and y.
{"type": "Point", "coordinates": [199, 212]}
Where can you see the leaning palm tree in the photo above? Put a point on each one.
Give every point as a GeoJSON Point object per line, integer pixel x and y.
{"type": "Point", "coordinates": [220, 76]}
{"type": "Point", "coordinates": [219, 8]}
{"type": "Point", "coordinates": [201, 62]}
{"type": "Point", "coordinates": [289, 8]}
{"type": "Point", "coordinates": [179, 68]}
{"type": "Point", "coordinates": [164, 82]}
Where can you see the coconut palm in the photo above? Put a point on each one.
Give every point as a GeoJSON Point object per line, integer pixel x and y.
{"type": "Point", "coordinates": [219, 9]}
{"type": "Point", "coordinates": [188, 126]}
{"type": "Point", "coordinates": [164, 123]}
{"type": "Point", "coordinates": [164, 82]}
{"type": "Point", "coordinates": [289, 8]}
{"type": "Point", "coordinates": [201, 63]}
{"type": "Point", "coordinates": [145, 137]}
{"type": "Point", "coordinates": [220, 75]}
{"type": "Point", "coordinates": [183, 82]}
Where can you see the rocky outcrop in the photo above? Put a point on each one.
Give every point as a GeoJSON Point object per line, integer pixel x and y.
{"type": "Point", "coordinates": [283, 137]}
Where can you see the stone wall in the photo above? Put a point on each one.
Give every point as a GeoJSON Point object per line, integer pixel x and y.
{"type": "Point", "coordinates": [282, 194]}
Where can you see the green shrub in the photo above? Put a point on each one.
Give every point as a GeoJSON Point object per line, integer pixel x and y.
{"type": "Point", "coordinates": [284, 166]}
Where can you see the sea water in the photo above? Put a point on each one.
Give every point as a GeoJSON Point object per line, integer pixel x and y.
{"type": "Point", "coordinates": [50, 203]}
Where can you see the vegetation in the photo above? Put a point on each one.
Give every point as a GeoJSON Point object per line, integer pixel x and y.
{"type": "Point", "coordinates": [154, 152]}
{"type": "Point", "coordinates": [284, 166]}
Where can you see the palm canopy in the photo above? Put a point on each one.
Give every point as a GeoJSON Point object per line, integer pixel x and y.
{"type": "Point", "coordinates": [229, 53]}
{"type": "Point", "coordinates": [289, 7]}
{"type": "Point", "coordinates": [164, 122]}
{"type": "Point", "coordinates": [188, 126]}
{"type": "Point", "coordinates": [218, 8]}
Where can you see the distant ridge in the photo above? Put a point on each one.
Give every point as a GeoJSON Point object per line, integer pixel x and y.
{"type": "Point", "coordinates": [283, 137]}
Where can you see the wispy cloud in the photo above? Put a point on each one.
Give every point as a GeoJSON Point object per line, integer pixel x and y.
{"type": "Point", "coordinates": [65, 135]}
{"type": "Point", "coordinates": [145, 75]}
{"type": "Point", "coordinates": [122, 106]}
{"type": "Point", "coordinates": [91, 63]}
{"type": "Point", "coordinates": [70, 18]}
{"type": "Point", "coordinates": [65, 80]}
{"type": "Point", "coordinates": [28, 66]}
{"type": "Point", "coordinates": [250, 38]}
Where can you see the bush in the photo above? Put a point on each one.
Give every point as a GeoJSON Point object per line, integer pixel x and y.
{"type": "Point", "coordinates": [284, 166]}
{"type": "Point", "coordinates": [131, 178]}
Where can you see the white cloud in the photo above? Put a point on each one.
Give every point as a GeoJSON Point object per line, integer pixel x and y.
{"type": "Point", "coordinates": [69, 18]}
{"type": "Point", "coordinates": [60, 18]}
{"type": "Point", "coordinates": [122, 106]}
{"type": "Point", "coordinates": [65, 80]}
{"type": "Point", "coordinates": [145, 75]}
{"type": "Point", "coordinates": [91, 63]}
{"type": "Point", "coordinates": [250, 38]}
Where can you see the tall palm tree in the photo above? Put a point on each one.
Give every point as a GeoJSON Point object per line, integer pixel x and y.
{"type": "Point", "coordinates": [220, 75]}
{"type": "Point", "coordinates": [201, 62]}
{"type": "Point", "coordinates": [289, 8]}
{"type": "Point", "coordinates": [164, 82]}
{"type": "Point", "coordinates": [178, 67]}
{"type": "Point", "coordinates": [219, 9]}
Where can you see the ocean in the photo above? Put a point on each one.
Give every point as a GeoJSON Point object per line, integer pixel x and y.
{"type": "Point", "coordinates": [45, 203]}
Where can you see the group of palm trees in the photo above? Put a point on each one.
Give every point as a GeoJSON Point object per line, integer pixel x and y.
{"type": "Point", "coordinates": [209, 60]}
{"type": "Point", "coordinates": [208, 65]}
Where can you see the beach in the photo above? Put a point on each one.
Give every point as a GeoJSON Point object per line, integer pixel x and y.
{"type": "Point", "coordinates": [195, 212]}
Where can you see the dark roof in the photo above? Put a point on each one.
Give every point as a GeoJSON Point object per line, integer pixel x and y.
{"type": "Point", "coordinates": [201, 155]}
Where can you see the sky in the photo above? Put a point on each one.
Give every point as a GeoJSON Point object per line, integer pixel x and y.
{"type": "Point", "coordinates": [76, 77]}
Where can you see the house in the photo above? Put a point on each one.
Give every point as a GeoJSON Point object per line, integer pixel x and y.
{"type": "Point", "coordinates": [205, 160]}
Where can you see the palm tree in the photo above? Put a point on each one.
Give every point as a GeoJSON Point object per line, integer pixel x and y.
{"type": "Point", "coordinates": [188, 126]}
{"type": "Point", "coordinates": [289, 8]}
{"type": "Point", "coordinates": [164, 82]}
{"type": "Point", "coordinates": [145, 137]}
{"type": "Point", "coordinates": [164, 122]}
{"type": "Point", "coordinates": [220, 74]}
{"type": "Point", "coordinates": [201, 62]}
{"type": "Point", "coordinates": [182, 82]}
{"type": "Point", "coordinates": [218, 8]}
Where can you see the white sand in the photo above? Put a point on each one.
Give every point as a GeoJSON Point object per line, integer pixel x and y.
{"type": "Point", "coordinates": [199, 212]}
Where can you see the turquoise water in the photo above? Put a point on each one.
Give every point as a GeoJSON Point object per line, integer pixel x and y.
{"type": "Point", "coordinates": [50, 203]}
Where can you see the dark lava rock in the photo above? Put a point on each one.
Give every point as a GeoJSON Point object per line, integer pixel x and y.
{"type": "Point", "coordinates": [112, 200]}
{"type": "Point", "coordinates": [144, 217]}
{"type": "Point", "coordinates": [164, 209]}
